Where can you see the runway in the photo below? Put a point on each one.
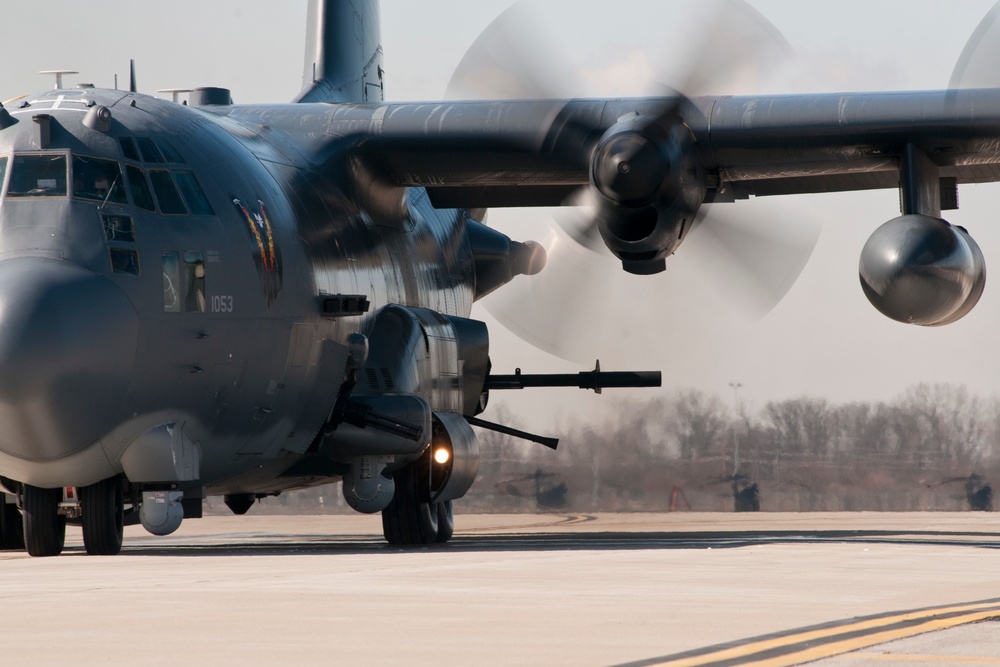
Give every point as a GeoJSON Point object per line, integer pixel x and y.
{"type": "Point", "coordinates": [641, 589]}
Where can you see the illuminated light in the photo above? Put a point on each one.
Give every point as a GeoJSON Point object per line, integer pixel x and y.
{"type": "Point", "coordinates": [441, 455]}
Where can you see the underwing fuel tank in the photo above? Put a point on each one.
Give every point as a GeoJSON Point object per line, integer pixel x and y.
{"type": "Point", "coordinates": [919, 269]}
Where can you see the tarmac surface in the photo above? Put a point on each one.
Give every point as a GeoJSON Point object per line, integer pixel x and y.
{"type": "Point", "coordinates": [552, 589]}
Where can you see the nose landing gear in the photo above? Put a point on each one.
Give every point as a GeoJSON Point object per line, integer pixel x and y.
{"type": "Point", "coordinates": [44, 527]}
{"type": "Point", "coordinates": [103, 508]}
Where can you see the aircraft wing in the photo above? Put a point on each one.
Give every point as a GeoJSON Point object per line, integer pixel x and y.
{"type": "Point", "coordinates": [534, 153]}
{"type": "Point", "coordinates": [646, 166]}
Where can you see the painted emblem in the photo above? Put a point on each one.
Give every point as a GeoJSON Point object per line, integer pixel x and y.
{"type": "Point", "coordinates": [266, 253]}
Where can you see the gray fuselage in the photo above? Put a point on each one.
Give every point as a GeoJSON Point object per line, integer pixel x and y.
{"type": "Point", "coordinates": [194, 310]}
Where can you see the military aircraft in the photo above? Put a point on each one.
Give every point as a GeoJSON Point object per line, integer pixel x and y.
{"type": "Point", "coordinates": [211, 299]}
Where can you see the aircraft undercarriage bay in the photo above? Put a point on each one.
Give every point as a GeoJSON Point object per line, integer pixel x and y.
{"type": "Point", "coordinates": [211, 299]}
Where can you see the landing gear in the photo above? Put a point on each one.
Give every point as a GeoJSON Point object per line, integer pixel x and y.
{"type": "Point", "coordinates": [410, 519]}
{"type": "Point", "coordinates": [103, 508]}
{"type": "Point", "coordinates": [11, 525]}
{"type": "Point", "coordinates": [44, 528]}
{"type": "Point", "coordinates": [446, 522]}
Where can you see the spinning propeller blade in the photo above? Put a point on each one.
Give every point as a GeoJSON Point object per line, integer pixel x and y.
{"type": "Point", "coordinates": [977, 65]}
{"type": "Point", "coordinates": [583, 302]}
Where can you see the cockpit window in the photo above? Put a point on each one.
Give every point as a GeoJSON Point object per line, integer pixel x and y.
{"type": "Point", "coordinates": [99, 180]}
{"type": "Point", "coordinates": [141, 195]}
{"type": "Point", "coordinates": [38, 176]}
{"type": "Point", "coordinates": [170, 153]}
{"type": "Point", "coordinates": [150, 153]}
{"type": "Point", "coordinates": [170, 201]}
{"type": "Point", "coordinates": [124, 260]}
{"type": "Point", "coordinates": [195, 196]}
{"type": "Point", "coordinates": [3, 171]}
{"type": "Point", "coordinates": [128, 149]}
{"type": "Point", "coordinates": [119, 228]}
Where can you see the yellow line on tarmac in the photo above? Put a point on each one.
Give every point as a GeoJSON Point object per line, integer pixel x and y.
{"type": "Point", "coordinates": [921, 658]}
{"type": "Point", "coordinates": [968, 613]}
{"type": "Point", "coordinates": [848, 645]}
{"type": "Point", "coordinates": [574, 519]}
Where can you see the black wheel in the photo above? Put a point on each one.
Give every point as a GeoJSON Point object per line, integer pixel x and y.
{"type": "Point", "coordinates": [103, 510]}
{"type": "Point", "coordinates": [446, 521]}
{"type": "Point", "coordinates": [11, 526]}
{"type": "Point", "coordinates": [409, 519]}
{"type": "Point", "coordinates": [44, 529]}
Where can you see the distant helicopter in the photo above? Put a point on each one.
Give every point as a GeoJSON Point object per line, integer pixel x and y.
{"type": "Point", "coordinates": [746, 493]}
{"type": "Point", "coordinates": [978, 492]}
{"type": "Point", "coordinates": [551, 497]}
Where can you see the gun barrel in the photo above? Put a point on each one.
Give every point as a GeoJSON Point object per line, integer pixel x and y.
{"type": "Point", "coordinates": [595, 380]}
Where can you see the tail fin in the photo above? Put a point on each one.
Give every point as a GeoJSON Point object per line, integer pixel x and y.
{"type": "Point", "coordinates": [343, 52]}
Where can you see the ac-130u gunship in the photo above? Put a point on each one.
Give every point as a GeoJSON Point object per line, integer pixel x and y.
{"type": "Point", "coordinates": [237, 300]}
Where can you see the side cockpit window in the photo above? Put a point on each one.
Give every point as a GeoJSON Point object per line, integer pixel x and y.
{"type": "Point", "coordinates": [99, 180]}
{"type": "Point", "coordinates": [169, 153]}
{"type": "Point", "coordinates": [128, 149]}
{"type": "Point", "coordinates": [195, 196]}
{"type": "Point", "coordinates": [139, 188]}
{"type": "Point", "coordinates": [38, 176]}
{"type": "Point", "coordinates": [3, 171]}
{"type": "Point", "coordinates": [166, 193]}
{"type": "Point", "coordinates": [150, 153]}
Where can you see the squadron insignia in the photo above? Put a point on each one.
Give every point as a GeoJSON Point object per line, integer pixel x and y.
{"type": "Point", "coordinates": [266, 253]}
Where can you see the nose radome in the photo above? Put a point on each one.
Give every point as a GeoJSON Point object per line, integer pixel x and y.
{"type": "Point", "coordinates": [67, 349]}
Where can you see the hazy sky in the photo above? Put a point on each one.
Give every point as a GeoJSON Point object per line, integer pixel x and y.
{"type": "Point", "coordinates": [824, 339]}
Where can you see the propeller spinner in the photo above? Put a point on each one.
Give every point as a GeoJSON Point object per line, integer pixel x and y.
{"type": "Point", "coordinates": [646, 184]}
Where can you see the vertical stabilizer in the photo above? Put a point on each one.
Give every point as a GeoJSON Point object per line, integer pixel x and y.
{"type": "Point", "coordinates": [343, 52]}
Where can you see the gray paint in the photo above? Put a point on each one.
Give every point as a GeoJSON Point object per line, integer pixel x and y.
{"type": "Point", "coordinates": [251, 382]}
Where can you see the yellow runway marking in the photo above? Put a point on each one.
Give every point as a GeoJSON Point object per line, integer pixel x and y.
{"type": "Point", "coordinates": [559, 520]}
{"type": "Point", "coordinates": [916, 658]}
{"type": "Point", "coordinates": [816, 643]}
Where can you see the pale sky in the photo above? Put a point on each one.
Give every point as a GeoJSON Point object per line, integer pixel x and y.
{"type": "Point", "coordinates": [824, 339]}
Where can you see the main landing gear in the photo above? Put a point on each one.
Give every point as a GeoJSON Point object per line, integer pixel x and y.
{"type": "Point", "coordinates": [412, 518]}
{"type": "Point", "coordinates": [11, 524]}
{"type": "Point", "coordinates": [102, 512]}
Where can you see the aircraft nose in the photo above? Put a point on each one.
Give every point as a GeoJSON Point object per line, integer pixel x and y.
{"type": "Point", "coordinates": [67, 347]}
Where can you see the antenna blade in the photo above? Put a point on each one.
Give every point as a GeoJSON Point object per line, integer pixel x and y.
{"type": "Point", "coordinates": [131, 76]}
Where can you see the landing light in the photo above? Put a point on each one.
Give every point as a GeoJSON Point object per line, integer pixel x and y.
{"type": "Point", "coordinates": [441, 455]}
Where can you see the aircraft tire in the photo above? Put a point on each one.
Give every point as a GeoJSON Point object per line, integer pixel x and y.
{"type": "Point", "coordinates": [11, 526]}
{"type": "Point", "coordinates": [409, 521]}
{"type": "Point", "coordinates": [103, 517]}
{"type": "Point", "coordinates": [446, 522]}
{"type": "Point", "coordinates": [44, 529]}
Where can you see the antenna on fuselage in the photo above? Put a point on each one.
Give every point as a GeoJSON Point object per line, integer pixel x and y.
{"type": "Point", "coordinates": [174, 93]}
{"type": "Point", "coordinates": [58, 73]}
{"type": "Point", "coordinates": [131, 76]}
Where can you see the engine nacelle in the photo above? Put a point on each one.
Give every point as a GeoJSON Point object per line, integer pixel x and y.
{"type": "Point", "coordinates": [919, 269]}
{"type": "Point", "coordinates": [649, 186]}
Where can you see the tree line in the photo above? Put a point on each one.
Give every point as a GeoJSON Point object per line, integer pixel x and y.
{"type": "Point", "coordinates": [928, 449]}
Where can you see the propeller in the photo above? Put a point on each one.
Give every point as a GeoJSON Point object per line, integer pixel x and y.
{"type": "Point", "coordinates": [583, 302]}
{"type": "Point", "coordinates": [976, 66]}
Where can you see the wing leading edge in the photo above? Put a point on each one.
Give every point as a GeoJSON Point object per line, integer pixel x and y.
{"type": "Point", "coordinates": [534, 153]}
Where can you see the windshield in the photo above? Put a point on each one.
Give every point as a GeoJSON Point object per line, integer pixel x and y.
{"type": "Point", "coordinates": [38, 176]}
{"type": "Point", "coordinates": [100, 180]}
